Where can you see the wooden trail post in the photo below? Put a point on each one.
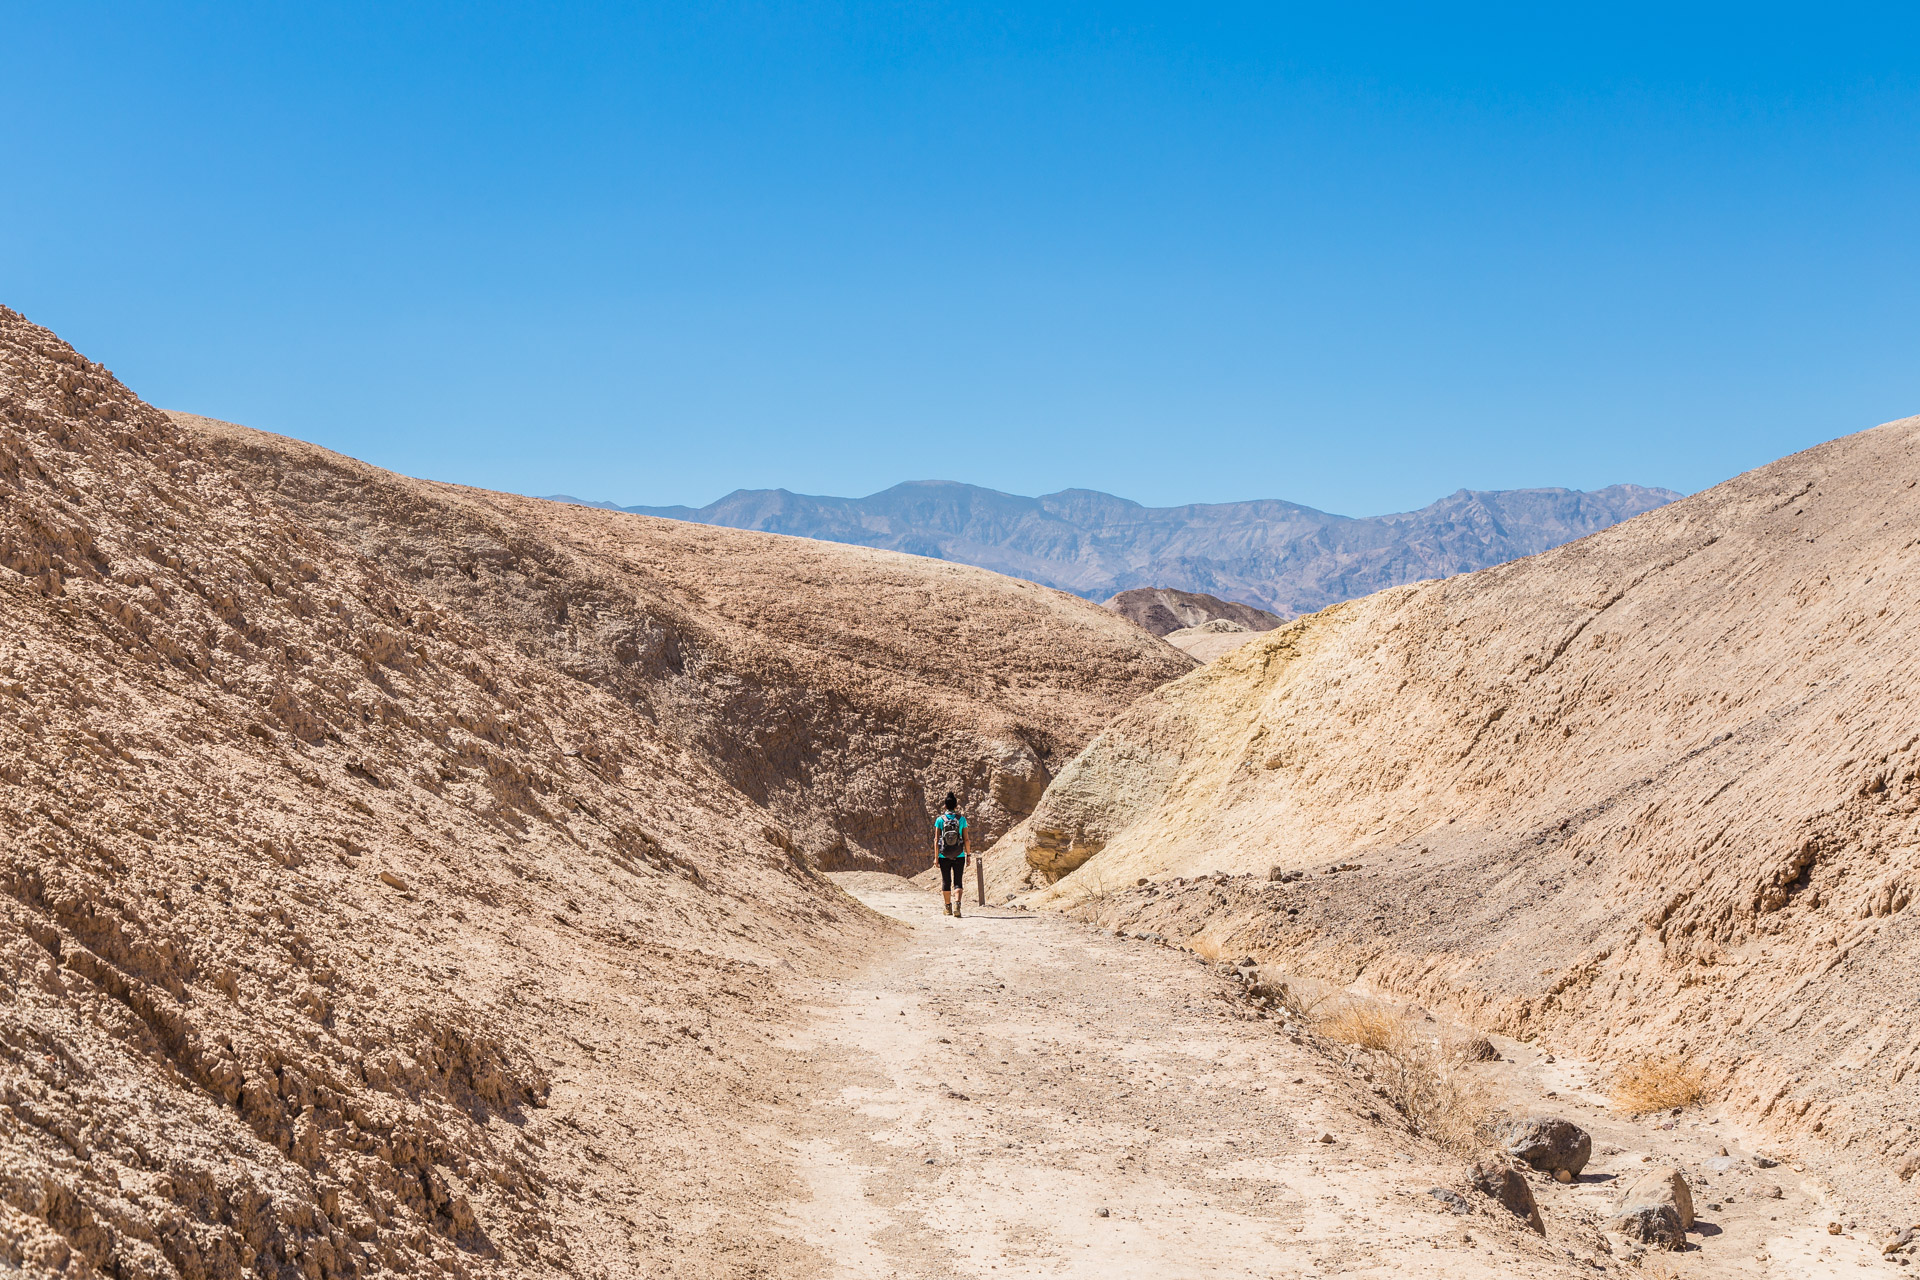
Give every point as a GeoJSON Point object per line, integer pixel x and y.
{"type": "Point", "coordinates": [979, 878]}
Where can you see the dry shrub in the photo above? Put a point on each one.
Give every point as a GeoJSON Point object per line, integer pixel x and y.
{"type": "Point", "coordinates": [1212, 950]}
{"type": "Point", "coordinates": [1416, 1076]}
{"type": "Point", "coordinates": [1367, 1026]}
{"type": "Point", "coordinates": [1656, 1083]}
{"type": "Point", "coordinates": [1093, 886]}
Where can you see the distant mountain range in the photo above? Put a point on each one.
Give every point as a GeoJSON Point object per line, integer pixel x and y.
{"type": "Point", "coordinates": [1278, 555]}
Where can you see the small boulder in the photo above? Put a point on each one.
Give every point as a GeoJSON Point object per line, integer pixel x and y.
{"type": "Point", "coordinates": [1549, 1144]}
{"type": "Point", "coordinates": [1509, 1189]}
{"type": "Point", "coordinates": [1453, 1200]}
{"type": "Point", "coordinates": [1655, 1208]}
{"type": "Point", "coordinates": [1908, 1166]}
{"type": "Point", "coordinates": [1478, 1049]}
{"type": "Point", "coordinates": [1662, 1185]}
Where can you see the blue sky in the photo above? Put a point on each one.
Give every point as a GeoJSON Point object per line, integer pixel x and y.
{"type": "Point", "coordinates": [1355, 256]}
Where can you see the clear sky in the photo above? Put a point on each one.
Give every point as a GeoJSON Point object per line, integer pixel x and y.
{"type": "Point", "coordinates": [1355, 256]}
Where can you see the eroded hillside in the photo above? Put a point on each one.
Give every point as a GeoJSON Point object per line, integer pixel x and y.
{"type": "Point", "coordinates": [353, 928]}
{"type": "Point", "coordinates": [1655, 791]}
{"type": "Point", "coordinates": [844, 687]}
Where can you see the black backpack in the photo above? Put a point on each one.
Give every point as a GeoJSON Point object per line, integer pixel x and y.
{"type": "Point", "coordinates": [952, 836]}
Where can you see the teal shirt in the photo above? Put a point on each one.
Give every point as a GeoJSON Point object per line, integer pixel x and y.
{"type": "Point", "coordinates": [940, 825]}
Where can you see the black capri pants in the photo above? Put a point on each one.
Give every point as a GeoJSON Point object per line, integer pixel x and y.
{"type": "Point", "coordinates": [953, 873]}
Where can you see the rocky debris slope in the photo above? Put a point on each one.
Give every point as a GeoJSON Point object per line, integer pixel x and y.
{"type": "Point", "coordinates": [348, 927]}
{"type": "Point", "coordinates": [844, 688]}
{"type": "Point", "coordinates": [1653, 793]}
{"type": "Point", "coordinates": [1163, 611]}
{"type": "Point", "coordinates": [1280, 555]}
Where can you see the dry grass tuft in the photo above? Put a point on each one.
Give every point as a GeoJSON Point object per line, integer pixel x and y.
{"type": "Point", "coordinates": [1418, 1077]}
{"type": "Point", "coordinates": [1368, 1026]}
{"type": "Point", "coordinates": [1210, 949]}
{"type": "Point", "coordinates": [1656, 1083]}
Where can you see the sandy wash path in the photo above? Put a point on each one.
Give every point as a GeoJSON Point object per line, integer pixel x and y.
{"type": "Point", "coordinates": [1012, 1094]}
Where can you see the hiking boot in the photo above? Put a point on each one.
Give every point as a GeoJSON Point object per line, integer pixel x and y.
{"type": "Point", "coordinates": [956, 908]}
{"type": "Point", "coordinates": [946, 908]}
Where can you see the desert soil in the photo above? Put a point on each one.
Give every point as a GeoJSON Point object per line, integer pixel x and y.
{"type": "Point", "coordinates": [1016, 1093]}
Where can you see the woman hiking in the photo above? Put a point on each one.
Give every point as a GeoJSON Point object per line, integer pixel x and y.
{"type": "Point", "coordinates": [951, 844]}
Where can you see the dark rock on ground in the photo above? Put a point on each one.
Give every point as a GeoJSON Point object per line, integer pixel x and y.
{"type": "Point", "coordinates": [1508, 1188]}
{"type": "Point", "coordinates": [1549, 1144]}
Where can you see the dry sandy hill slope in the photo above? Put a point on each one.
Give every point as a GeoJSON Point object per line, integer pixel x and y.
{"type": "Point", "coordinates": [846, 688]}
{"type": "Point", "coordinates": [348, 928]}
{"type": "Point", "coordinates": [1653, 792]}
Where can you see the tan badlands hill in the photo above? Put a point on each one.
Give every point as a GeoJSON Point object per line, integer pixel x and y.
{"type": "Point", "coordinates": [845, 688]}
{"type": "Point", "coordinates": [1656, 791]}
{"type": "Point", "coordinates": [359, 920]}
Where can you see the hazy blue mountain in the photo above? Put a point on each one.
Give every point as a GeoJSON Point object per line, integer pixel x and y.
{"type": "Point", "coordinates": [1278, 555]}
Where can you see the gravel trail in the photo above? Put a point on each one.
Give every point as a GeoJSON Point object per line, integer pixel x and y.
{"type": "Point", "coordinates": [1012, 1094]}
